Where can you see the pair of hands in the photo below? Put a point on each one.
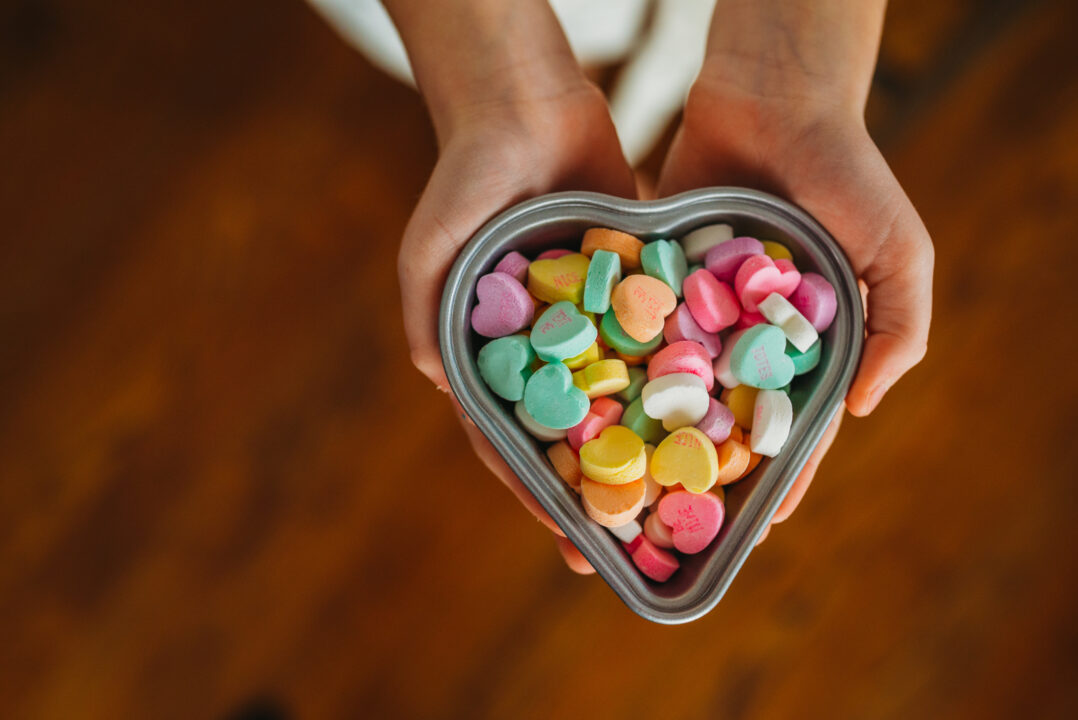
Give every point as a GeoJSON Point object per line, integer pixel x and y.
{"type": "Point", "coordinates": [818, 155]}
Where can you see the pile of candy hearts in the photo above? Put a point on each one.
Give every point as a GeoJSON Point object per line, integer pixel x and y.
{"type": "Point", "coordinates": [658, 372]}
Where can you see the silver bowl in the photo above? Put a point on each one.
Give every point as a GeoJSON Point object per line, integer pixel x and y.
{"type": "Point", "coordinates": [559, 220]}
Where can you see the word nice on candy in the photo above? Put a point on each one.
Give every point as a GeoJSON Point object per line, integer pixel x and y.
{"type": "Point", "coordinates": [621, 383]}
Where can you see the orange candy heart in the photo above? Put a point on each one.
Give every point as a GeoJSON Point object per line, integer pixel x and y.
{"type": "Point", "coordinates": [641, 303]}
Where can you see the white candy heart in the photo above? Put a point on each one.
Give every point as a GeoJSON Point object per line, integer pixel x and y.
{"type": "Point", "coordinates": [627, 532]}
{"type": "Point", "coordinates": [771, 420]}
{"type": "Point", "coordinates": [781, 313]}
{"type": "Point", "coordinates": [678, 399]}
{"type": "Point", "coordinates": [699, 241]}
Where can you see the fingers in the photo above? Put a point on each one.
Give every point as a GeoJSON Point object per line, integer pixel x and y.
{"type": "Point", "coordinates": [763, 536]}
{"type": "Point", "coordinates": [899, 311]}
{"type": "Point", "coordinates": [804, 479]}
{"type": "Point", "coordinates": [573, 557]}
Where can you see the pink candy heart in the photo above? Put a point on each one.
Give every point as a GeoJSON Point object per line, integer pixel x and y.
{"type": "Point", "coordinates": [694, 518]}
{"type": "Point", "coordinates": [815, 299]}
{"type": "Point", "coordinates": [504, 306]}
{"type": "Point", "coordinates": [724, 259]}
{"type": "Point", "coordinates": [680, 325]}
{"type": "Point", "coordinates": [759, 276]}
{"type": "Point", "coordinates": [685, 356]}
{"type": "Point", "coordinates": [712, 303]}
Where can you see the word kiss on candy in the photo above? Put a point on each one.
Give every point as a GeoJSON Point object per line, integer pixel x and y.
{"type": "Point", "coordinates": [655, 386]}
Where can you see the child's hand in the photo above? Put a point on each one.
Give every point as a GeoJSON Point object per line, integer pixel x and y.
{"type": "Point", "coordinates": [824, 161]}
{"type": "Point", "coordinates": [509, 153]}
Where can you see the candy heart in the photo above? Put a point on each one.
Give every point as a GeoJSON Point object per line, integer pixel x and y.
{"type": "Point", "coordinates": [694, 519]}
{"type": "Point", "coordinates": [641, 304]}
{"type": "Point", "coordinates": [504, 306]}
{"type": "Point", "coordinates": [665, 260]}
{"type": "Point", "coordinates": [804, 361]}
{"type": "Point", "coordinates": [592, 355]}
{"type": "Point", "coordinates": [514, 264]}
{"type": "Point", "coordinates": [759, 276]}
{"type": "Point", "coordinates": [771, 420]}
{"type": "Point", "coordinates": [678, 399]}
{"type": "Point", "coordinates": [742, 402]}
{"type": "Point", "coordinates": [733, 460]}
{"type": "Point", "coordinates": [616, 457]}
{"type": "Point", "coordinates": [505, 365]}
{"type": "Point", "coordinates": [815, 299]}
{"type": "Point", "coordinates": [534, 428]}
{"type": "Point", "coordinates": [718, 422]}
{"type": "Point", "coordinates": [649, 429]}
{"type": "Point", "coordinates": [748, 319]}
{"type": "Point", "coordinates": [688, 457]}
{"type": "Point", "coordinates": [604, 273]}
{"type": "Point", "coordinates": [653, 489]}
{"type": "Point", "coordinates": [638, 377]}
{"type": "Point", "coordinates": [781, 313]}
{"type": "Point", "coordinates": [625, 245]}
{"type": "Point", "coordinates": [560, 278]}
{"type": "Point", "coordinates": [680, 325]}
{"type": "Point", "coordinates": [612, 505]}
{"type": "Point", "coordinates": [552, 400]}
{"type": "Point", "coordinates": [759, 358]}
{"type": "Point", "coordinates": [685, 356]}
{"type": "Point", "coordinates": [654, 562]}
{"type": "Point", "coordinates": [553, 253]}
{"type": "Point", "coordinates": [712, 303]}
{"type": "Point", "coordinates": [602, 378]}
{"type": "Point", "coordinates": [776, 251]}
{"type": "Point", "coordinates": [614, 336]}
{"type": "Point", "coordinates": [562, 332]}
{"type": "Point", "coordinates": [699, 241]}
{"type": "Point", "coordinates": [723, 373]}
{"type": "Point", "coordinates": [604, 412]}
{"type": "Point", "coordinates": [658, 532]}
{"type": "Point", "coordinates": [628, 532]}
{"type": "Point", "coordinates": [724, 259]}
{"type": "Point", "coordinates": [566, 463]}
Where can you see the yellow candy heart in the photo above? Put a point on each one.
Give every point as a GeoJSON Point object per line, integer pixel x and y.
{"type": "Point", "coordinates": [604, 377]}
{"type": "Point", "coordinates": [686, 456]}
{"type": "Point", "coordinates": [616, 457]}
{"type": "Point", "coordinates": [776, 251]}
{"type": "Point", "coordinates": [742, 403]}
{"type": "Point", "coordinates": [592, 355]}
{"type": "Point", "coordinates": [560, 278]}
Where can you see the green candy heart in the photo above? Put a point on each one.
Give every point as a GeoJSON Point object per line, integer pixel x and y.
{"type": "Point", "coordinates": [562, 332]}
{"type": "Point", "coordinates": [804, 361]}
{"type": "Point", "coordinates": [638, 377]}
{"type": "Point", "coordinates": [604, 272]}
{"type": "Point", "coordinates": [612, 334]}
{"type": "Point", "coordinates": [649, 429]}
{"type": "Point", "coordinates": [665, 260]}
{"type": "Point", "coordinates": [552, 400]}
{"type": "Point", "coordinates": [759, 359]}
{"type": "Point", "coordinates": [505, 365]}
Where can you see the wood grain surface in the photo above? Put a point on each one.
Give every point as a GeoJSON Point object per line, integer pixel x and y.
{"type": "Point", "coordinates": [224, 492]}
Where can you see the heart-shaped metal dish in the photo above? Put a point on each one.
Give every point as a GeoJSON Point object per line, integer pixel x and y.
{"type": "Point", "coordinates": [559, 220]}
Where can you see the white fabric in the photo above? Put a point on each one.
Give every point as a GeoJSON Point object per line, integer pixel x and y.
{"type": "Point", "coordinates": [660, 66]}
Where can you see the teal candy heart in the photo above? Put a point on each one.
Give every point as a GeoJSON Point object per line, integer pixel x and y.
{"type": "Point", "coordinates": [552, 400]}
{"type": "Point", "coordinates": [665, 260]}
{"type": "Point", "coordinates": [611, 332]}
{"type": "Point", "coordinates": [759, 359]}
{"type": "Point", "coordinates": [562, 332]}
{"type": "Point", "coordinates": [649, 429]}
{"type": "Point", "coordinates": [804, 361]}
{"type": "Point", "coordinates": [604, 272]}
{"type": "Point", "coordinates": [505, 365]}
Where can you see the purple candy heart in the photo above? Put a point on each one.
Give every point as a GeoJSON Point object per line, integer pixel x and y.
{"type": "Point", "coordinates": [718, 422]}
{"type": "Point", "coordinates": [680, 325]}
{"type": "Point", "coordinates": [504, 306]}
{"type": "Point", "coordinates": [724, 259]}
{"type": "Point", "coordinates": [815, 299]}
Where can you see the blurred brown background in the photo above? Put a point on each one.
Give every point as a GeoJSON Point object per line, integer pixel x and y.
{"type": "Point", "coordinates": [206, 502]}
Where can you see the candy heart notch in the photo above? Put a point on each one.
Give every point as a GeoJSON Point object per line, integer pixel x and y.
{"type": "Point", "coordinates": [759, 358]}
{"type": "Point", "coordinates": [694, 519]}
{"type": "Point", "coordinates": [504, 306]}
{"type": "Point", "coordinates": [561, 332]}
{"type": "Point", "coordinates": [552, 400]}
